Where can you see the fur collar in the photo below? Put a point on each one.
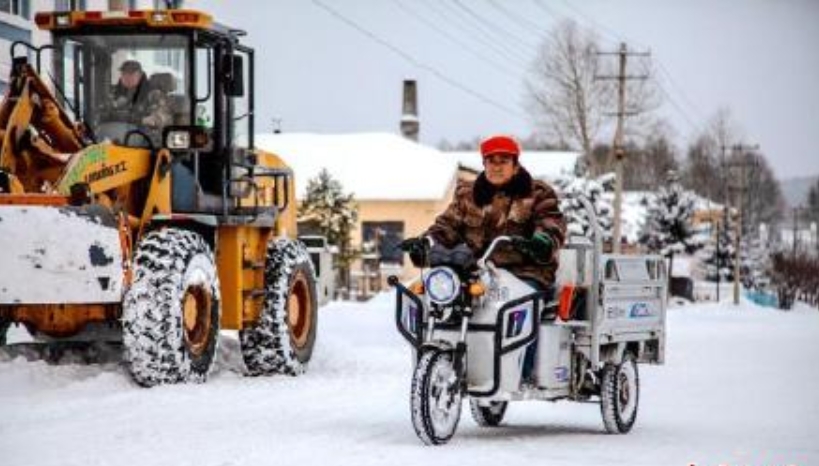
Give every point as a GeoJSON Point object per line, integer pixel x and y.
{"type": "Point", "coordinates": [519, 186]}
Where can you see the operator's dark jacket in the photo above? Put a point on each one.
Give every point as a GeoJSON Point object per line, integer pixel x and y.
{"type": "Point", "coordinates": [480, 212]}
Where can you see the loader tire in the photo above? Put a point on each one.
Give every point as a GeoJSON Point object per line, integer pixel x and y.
{"type": "Point", "coordinates": [488, 415]}
{"type": "Point", "coordinates": [171, 312]}
{"type": "Point", "coordinates": [282, 340]}
{"type": "Point", "coordinates": [620, 395]}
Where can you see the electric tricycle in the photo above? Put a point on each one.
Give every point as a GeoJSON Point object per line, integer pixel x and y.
{"type": "Point", "coordinates": [471, 325]}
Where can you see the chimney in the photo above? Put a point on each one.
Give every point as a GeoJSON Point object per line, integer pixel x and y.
{"type": "Point", "coordinates": [409, 116]}
{"type": "Point", "coordinates": [115, 5]}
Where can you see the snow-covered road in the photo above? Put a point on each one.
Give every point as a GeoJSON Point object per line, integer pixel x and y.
{"type": "Point", "coordinates": [740, 387]}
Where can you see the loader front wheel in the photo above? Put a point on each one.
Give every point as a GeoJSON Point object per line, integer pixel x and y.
{"type": "Point", "coordinates": [282, 340]}
{"type": "Point", "coordinates": [171, 311]}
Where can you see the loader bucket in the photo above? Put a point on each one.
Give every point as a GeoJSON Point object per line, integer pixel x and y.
{"type": "Point", "coordinates": [62, 254]}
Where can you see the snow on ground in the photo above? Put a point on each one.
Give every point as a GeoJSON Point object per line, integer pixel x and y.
{"type": "Point", "coordinates": [739, 388]}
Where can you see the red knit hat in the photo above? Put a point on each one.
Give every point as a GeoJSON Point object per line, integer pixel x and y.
{"type": "Point", "coordinates": [500, 144]}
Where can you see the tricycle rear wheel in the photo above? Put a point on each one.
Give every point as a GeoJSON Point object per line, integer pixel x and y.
{"type": "Point", "coordinates": [620, 395]}
{"type": "Point", "coordinates": [488, 414]}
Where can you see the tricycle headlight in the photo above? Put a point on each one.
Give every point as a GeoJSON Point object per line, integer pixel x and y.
{"type": "Point", "coordinates": [442, 285]}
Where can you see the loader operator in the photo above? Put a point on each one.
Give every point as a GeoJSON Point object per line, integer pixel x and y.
{"type": "Point", "coordinates": [136, 101]}
{"type": "Point", "coordinates": [503, 200]}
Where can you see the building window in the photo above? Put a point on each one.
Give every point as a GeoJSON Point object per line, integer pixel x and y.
{"type": "Point", "coordinates": [70, 5]}
{"type": "Point", "coordinates": [16, 7]}
{"type": "Point", "coordinates": [167, 4]}
{"type": "Point", "coordinates": [383, 239]}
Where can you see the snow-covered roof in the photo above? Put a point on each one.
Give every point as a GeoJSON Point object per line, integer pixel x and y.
{"type": "Point", "coordinates": [541, 164]}
{"type": "Point", "coordinates": [388, 166]}
{"type": "Point", "coordinates": [370, 165]}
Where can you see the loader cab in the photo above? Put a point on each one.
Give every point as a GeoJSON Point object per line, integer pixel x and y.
{"type": "Point", "coordinates": [195, 96]}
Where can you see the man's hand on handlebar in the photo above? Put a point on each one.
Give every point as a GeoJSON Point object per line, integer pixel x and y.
{"type": "Point", "coordinates": [539, 247]}
{"type": "Point", "coordinates": [418, 249]}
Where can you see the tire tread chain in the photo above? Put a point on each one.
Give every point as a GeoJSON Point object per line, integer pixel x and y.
{"type": "Point", "coordinates": [152, 318]}
{"type": "Point", "coordinates": [266, 347]}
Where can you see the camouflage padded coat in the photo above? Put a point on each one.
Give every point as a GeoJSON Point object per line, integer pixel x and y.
{"type": "Point", "coordinates": [480, 212]}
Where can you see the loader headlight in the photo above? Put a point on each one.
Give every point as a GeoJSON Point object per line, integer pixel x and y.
{"type": "Point", "coordinates": [186, 137]}
{"type": "Point", "coordinates": [442, 285]}
{"type": "Point", "coordinates": [177, 140]}
{"type": "Point", "coordinates": [63, 20]}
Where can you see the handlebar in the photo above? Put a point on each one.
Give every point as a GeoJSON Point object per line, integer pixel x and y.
{"type": "Point", "coordinates": [495, 242]}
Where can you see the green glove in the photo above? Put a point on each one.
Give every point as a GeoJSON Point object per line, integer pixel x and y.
{"type": "Point", "coordinates": [539, 247]}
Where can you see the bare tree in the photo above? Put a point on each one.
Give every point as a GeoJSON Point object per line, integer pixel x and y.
{"type": "Point", "coordinates": [653, 160]}
{"type": "Point", "coordinates": [569, 102]}
{"type": "Point", "coordinates": [762, 200]}
{"type": "Point", "coordinates": [705, 169]}
{"type": "Point", "coordinates": [566, 100]}
{"type": "Point", "coordinates": [702, 170]}
{"type": "Point", "coordinates": [648, 160]}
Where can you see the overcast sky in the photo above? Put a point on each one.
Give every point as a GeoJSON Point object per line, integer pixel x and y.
{"type": "Point", "coordinates": [337, 66]}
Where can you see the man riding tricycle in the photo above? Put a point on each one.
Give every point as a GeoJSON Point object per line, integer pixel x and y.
{"type": "Point", "coordinates": [482, 330]}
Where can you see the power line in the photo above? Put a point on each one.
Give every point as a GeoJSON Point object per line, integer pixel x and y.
{"type": "Point", "coordinates": [679, 108]}
{"type": "Point", "coordinates": [496, 66]}
{"type": "Point", "coordinates": [477, 29]}
{"type": "Point", "coordinates": [601, 27]}
{"type": "Point", "coordinates": [673, 83]}
{"type": "Point", "coordinates": [411, 59]}
{"type": "Point", "coordinates": [546, 8]}
{"type": "Point", "coordinates": [494, 27]}
{"type": "Point", "coordinates": [521, 20]}
{"type": "Point", "coordinates": [461, 23]}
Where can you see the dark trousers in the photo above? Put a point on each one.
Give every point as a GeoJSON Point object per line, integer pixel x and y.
{"type": "Point", "coordinates": [529, 357]}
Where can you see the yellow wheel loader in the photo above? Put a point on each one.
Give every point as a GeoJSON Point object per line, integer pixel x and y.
{"type": "Point", "coordinates": [144, 214]}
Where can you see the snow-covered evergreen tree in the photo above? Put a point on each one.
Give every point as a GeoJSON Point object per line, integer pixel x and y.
{"type": "Point", "coordinates": [668, 229]}
{"type": "Point", "coordinates": [334, 213]}
{"type": "Point", "coordinates": [755, 263]}
{"type": "Point", "coordinates": [577, 219]}
{"type": "Point", "coordinates": [718, 253]}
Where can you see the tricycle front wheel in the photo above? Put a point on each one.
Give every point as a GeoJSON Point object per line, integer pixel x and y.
{"type": "Point", "coordinates": [435, 399]}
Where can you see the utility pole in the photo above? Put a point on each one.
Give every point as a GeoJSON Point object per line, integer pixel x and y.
{"type": "Point", "coordinates": [740, 186]}
{"type": "Point", "coordinates": [795, 211]}
{"type": "Point", "coordinates": [718, 260]}
{"type": "Point", "coordinates": [617, 147]}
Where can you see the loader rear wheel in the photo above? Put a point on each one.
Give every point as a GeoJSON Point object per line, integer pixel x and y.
{"type": "Point", "coordinates": [488, 414]}
{"type": "Point", "coordinates": [620, 395]}
{"type": "Point", "coordinates": [282, 340]}
{"type": "Point", "coordinates": [171, 311]}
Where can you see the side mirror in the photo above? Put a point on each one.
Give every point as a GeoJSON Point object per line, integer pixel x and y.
{"type": "Point", "coordinates": [234, 74]}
